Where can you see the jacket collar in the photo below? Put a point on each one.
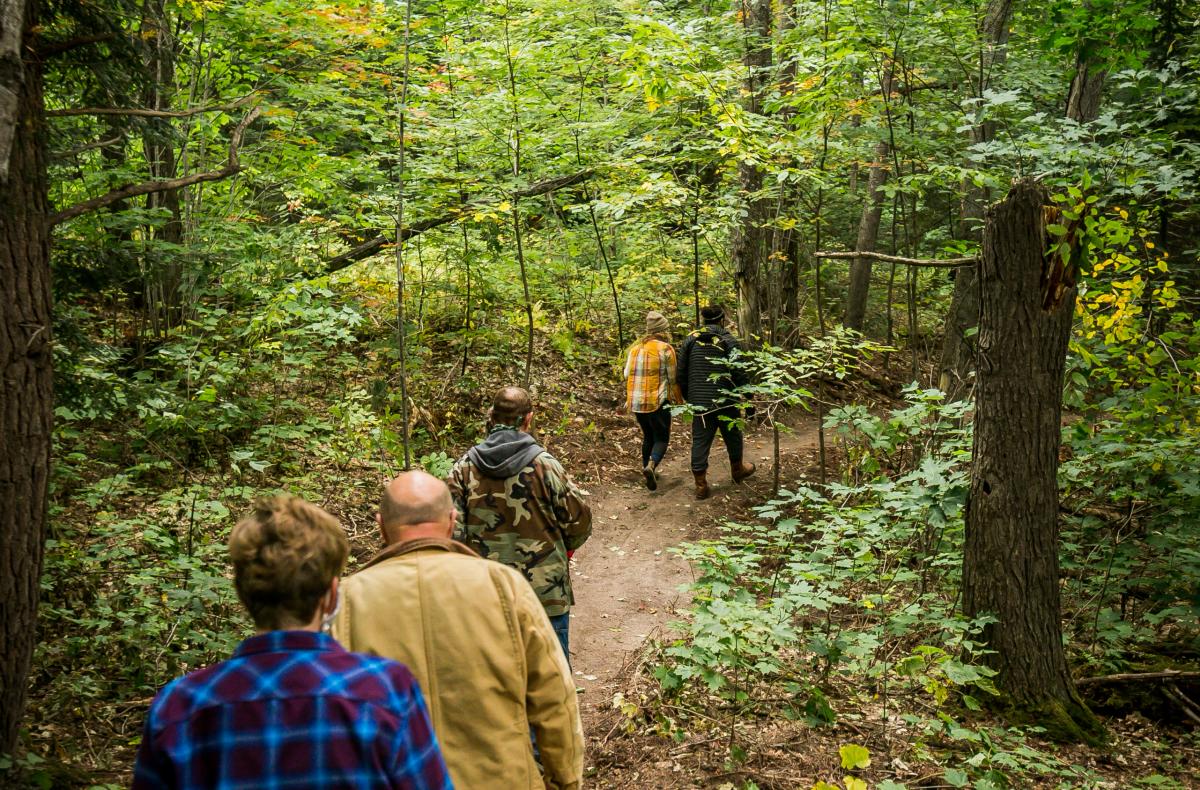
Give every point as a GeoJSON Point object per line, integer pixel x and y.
{"type": "Point", "coordinates": [283, 641]}
{"type": "Point", "coordinates": [409, 546]}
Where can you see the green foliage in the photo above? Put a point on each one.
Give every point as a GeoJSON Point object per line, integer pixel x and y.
{"type": "Point", "coordinates": [829, 586]}
{"type": "Point", "coordinates": [1131, 486]}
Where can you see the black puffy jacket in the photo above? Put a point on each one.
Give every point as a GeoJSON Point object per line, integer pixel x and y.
{"type": "Point", "coordinates": [702, 373]}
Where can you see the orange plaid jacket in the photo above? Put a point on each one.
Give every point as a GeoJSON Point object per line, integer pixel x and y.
{"type": "Point", "coordinates": [650, 376]}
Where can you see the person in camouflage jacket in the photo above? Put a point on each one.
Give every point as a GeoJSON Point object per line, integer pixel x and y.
{"type": "Point", "coordinates": [517, 505]}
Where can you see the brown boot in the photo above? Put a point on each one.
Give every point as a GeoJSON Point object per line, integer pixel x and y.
{"type": "Point", "coordinates": [701, 484]}
{"type": "Point", "coordinates": [741, 471]}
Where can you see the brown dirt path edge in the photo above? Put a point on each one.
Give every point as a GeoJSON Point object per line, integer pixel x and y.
{"type": "Point", "coordinates": [626, 580]}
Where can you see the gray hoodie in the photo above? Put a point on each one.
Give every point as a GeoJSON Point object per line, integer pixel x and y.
{"type": "Point", "coordinates": [504, 452]}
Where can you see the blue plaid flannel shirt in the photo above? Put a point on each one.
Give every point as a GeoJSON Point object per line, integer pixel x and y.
{"type": "Point", "coordinates": [291, 709]}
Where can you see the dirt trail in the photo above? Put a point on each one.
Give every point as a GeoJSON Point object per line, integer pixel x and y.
{"type": "Point", "coordinates": [625, 578]}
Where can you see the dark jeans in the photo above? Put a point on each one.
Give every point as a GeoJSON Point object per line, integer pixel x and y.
{"type": "Point", "coordinates": [704, 430]}
{"type": "Point", "coordinates": [656, 432]}
{"type": "Point", "coordinates": [562, 628]}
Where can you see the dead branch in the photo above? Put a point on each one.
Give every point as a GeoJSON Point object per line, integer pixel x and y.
{"type": "Point", "coordinates": [1182, 701]}
{"type": "Point", "coordinates": [232, 166]}
{"type": "Point", "coordinates": [378, 242]}
{"type": "Point", "coordinates": [84, 147]}
{"type": "Point", "coordinates": [142, 112]}
{"type": "Point", "coordinates": [947, 263]}
{"type": "Point", "coordinates": [1122, 677]}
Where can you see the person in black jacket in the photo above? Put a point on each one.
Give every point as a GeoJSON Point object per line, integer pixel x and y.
{"type": "Point", "coordinates": [706, 381]}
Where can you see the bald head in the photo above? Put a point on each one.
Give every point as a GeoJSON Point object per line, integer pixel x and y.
{"type": "Point", "coordinates": [416, 502]}
{"type": "Point", "coordinates": [511, 406]}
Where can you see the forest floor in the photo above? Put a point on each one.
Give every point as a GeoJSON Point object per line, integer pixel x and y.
{"type": "Point", "coordinates": [629, 584]}
{"type": "Point", "coordinates": [627, 580]}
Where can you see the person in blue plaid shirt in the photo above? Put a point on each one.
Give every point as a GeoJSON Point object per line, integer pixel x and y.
{"type": "Point", "coordinates": [291, 708]}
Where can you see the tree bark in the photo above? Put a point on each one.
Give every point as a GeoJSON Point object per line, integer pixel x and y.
{"type": "Point", "coordinates": [1010, 560]}
{"type": "Point", "coordinates": [1087, 88]}
{"type": "Point", "coordinates": [164, 285]}
{"type": "Point", "coordinates": [12, 74]}
{"type": "Point", "coordinates": [868, 235]}
{"type": "Point", "coordinates": [751, 243]}
{"type": "Point", "coordinates": [868, 223]}
{"type": "Point", "coordinates": [26, 406]}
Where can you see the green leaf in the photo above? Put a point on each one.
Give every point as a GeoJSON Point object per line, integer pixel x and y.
{"type": "Point", "coordinates": [956, 777]}
{"type": "Point", "coordinates": [854, 756]}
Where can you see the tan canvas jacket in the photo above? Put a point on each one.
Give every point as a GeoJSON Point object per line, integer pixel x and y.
{"type": "Point", "coordinates": [477, 639]}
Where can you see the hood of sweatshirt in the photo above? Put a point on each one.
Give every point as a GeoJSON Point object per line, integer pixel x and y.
{"type": "Point", "coordinates": [504, 453]}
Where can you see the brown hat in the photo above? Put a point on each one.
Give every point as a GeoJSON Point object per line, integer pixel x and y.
{"type": "Point", "coordinates": [656, 323]}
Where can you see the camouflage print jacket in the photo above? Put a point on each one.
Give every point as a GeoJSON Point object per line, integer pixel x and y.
{"type": "Point", "coordinates": [517, 505]}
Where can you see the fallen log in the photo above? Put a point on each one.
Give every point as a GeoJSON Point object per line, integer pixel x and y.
{"type": "Point", "coordinates": [1129, 677]}
{"type": "Point", "coordinates": [946, 263]}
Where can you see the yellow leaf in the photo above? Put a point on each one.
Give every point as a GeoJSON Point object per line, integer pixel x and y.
{"type": "Point", "coordinates": [854, 783]}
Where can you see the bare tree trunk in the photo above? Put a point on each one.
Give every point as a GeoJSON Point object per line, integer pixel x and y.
{"type": "Point", "coordinates": [786, 246]}
{"type": "Point", "coordinates": [868, 235]}
{"type": "Point", "coordinates": [751, 238]}
{"type": "Point", "coordinates": [1010, 559]}
{"type": "Point", "coordinates": [165, 300]}
{"type": "Point", "coordinates": [957, 359]}
{"type": "Point", "coordinates": [26, 378]}
{"type": "Point", "coordinates": [516, 203]}
{"type": "Point", "coordinates": [1087, 88]}
{"type": "Point", "coordinates": [868, 224]}
{"type": "Point", "coordinates": [401, 318]}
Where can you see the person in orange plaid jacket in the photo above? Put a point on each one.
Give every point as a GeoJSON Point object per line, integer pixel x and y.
{"type": "Point", "coordinates": [650, 388]}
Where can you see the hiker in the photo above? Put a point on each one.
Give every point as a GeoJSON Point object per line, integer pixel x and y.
{"type": "Point", "coordinates": [476, 637]}
{"type": "Point", "coordinates": [706, 379]}
{"type": "Point", "coordinates": [650, 388]}
{"type": "Point", "coordinates": [291, 708]}
{"type": "Point", "coordinates": [516, 505]}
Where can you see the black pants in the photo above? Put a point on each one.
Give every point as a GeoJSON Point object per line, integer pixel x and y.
{"type": "Point", "coordinates": [656, 432]}
{"type": "Point", "coordinates": [704, 430]}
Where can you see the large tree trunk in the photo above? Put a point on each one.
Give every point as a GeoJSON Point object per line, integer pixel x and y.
{"type": "Point", "coordinates": [26, 389]}
{"type": "Point", "coordinates": [751, 242]}
{"type": "Point", "coordinates": [1010, 561]}
{"type": "Point", "coordinates": [957, 360]}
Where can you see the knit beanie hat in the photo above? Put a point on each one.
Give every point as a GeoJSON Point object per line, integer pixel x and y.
{"type": "Point", "coordinates": [713, 314]}
{"type": "Point", "coordinates": [656, 323]}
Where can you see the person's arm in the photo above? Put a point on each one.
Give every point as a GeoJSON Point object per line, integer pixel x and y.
{"type": "Point", "coordinates": [626, 377]}
{"type": "Point", "coordinates": [457, 483]}
{"type": "Point", "coordinates": [681, 370]}
{"type": "Point", "coordinates": [550, 701]}
{"type": "Point", "coordinates": [417, 762]}
{"type": "Point", "coordinates": [571, 512]}
{"type": "Point", "coordinates": [674, 395]}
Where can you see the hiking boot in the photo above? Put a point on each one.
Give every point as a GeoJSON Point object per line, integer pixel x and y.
{"type": "Point", "coordinates": [701, 484]}
{"type": "Point", "coordinates": [741, 470]}
{"type": "Point", "coordinates": [651, 475]}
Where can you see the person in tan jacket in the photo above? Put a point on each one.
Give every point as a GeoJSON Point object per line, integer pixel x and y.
{"type": "Point", "coordinates": [476, 637]}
